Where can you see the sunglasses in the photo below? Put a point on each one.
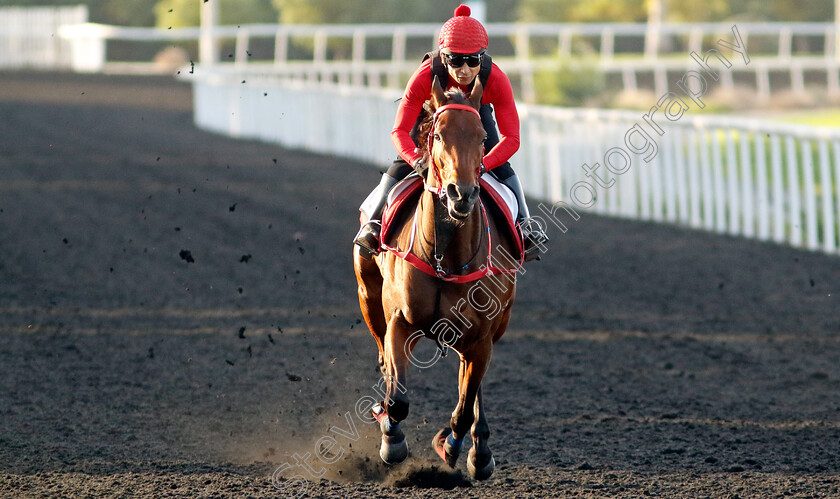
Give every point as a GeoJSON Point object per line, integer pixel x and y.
{"type": "Point", "coordinates": [458, 60]}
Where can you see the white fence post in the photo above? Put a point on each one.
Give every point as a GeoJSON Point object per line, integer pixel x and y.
{"type": "Point", "coordinates": [747, 186]}
{"type": "Point", "coordinates": [794, 210]}
{"type": "Point", "coordinates": [762, 195]}
{"type": "Point", "coordinates": [733, 199]}
{"type": "Point", "coordinates": [208, 48]}
{"type": "Point", "coordinates": [87, 46]}
{"type": "Point", "coordinates": [778, 189]}
{"type": "Point", "coordinates": [810, 195]}
{"type": "Point", "coordinates": [827, 185]}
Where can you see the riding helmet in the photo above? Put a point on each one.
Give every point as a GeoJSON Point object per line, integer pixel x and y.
{"type": "Point", "coordinates": [463, 34]}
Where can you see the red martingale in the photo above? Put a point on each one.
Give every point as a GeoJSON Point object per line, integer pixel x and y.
{"type": "Point", "coordinates": [409, 197]}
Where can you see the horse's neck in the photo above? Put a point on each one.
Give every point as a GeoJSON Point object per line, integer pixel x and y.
{"type": "Point", "coordinates": [458, 242]}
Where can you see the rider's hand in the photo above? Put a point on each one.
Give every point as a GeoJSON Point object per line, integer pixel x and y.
{"type": "Point", "coordinates": [421, 166]}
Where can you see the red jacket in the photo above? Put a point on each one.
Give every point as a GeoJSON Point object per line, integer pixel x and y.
{"type": "Point", "coordinates": [497, 92]}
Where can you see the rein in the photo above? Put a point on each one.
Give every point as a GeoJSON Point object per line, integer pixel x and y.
{"type": "Point", "coordinates": [438, 271]}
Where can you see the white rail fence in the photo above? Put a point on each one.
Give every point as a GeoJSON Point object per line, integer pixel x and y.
{"type": "Point", "coordinates": [793, 54]}
{"type": "Point", "coordinates": [767, 181]}
{"type": "Point", "coordinates": [29, 36]}
{"type": "Point", "coordinates": [759, 180]}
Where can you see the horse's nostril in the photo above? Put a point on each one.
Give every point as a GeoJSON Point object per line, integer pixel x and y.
{"type": "Point", "coordinates": [453, 192]}
{"type": "Point", "coordinates": [474, 193]}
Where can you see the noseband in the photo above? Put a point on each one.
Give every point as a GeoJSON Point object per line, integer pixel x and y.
{"type": "Point", "coordinates": [430, 141]}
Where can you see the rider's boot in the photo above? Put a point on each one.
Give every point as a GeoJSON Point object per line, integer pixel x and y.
{"type": "Point", "coordinates": [535, 236]}
{"type": "Point", "coordinates": [368, 237]}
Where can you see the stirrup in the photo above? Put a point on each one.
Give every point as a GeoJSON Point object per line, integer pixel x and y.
{"type": "Point", "coordinates": [535, 238]}
{"type": "Point", "coordinates": [367, 239]}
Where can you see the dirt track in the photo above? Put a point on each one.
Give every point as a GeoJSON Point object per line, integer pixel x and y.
{"type": "Point", "coordinates": [134, 249]}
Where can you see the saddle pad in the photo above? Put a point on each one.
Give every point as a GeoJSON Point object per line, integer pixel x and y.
{"type": "Point", "coordinates": [504, 200]}
{"type": "Point", "coordinates": [505, 194]}
{"type": "Point", "coordinates": [400, 188]}
{"type": "Point", "coordinates": [406, 193]}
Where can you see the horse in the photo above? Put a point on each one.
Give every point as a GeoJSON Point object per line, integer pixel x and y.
{"type": "Point", "coordinates": [449, 229]}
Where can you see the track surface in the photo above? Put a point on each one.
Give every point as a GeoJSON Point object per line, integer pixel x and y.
{"type": "Point", "coordinates": [641, 359]}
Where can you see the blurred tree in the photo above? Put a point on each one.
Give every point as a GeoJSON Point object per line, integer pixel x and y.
{"type": "Point", "coordinates": [677, 11]}
{"type": "Point", "coordinates": [126, 12]}
{"type": "Point", "coordinates": [383, 11]}
{"type": "Point", "coordinates": [185, 12]}
{"type": "Point", "coordinates": [783, 10]}
{"type": "Point", "coordinates": [120, 12]}
{"type": "Point", "coordinates": [697, 12]}
{"type": "Point", "coordinates": [577, 11]}
{"type": "Point", "coordinates": [181, 13]}
{"type": "Point", "coordinates": [347, 11]}
{"type": "Point", "coordinates": [609, 11]}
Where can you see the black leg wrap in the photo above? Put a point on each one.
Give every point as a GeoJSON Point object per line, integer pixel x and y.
{"type": "Point", "coordinates": [397, 409]}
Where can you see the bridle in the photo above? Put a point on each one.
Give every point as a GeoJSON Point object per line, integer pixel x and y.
{"type": "Point", "coordinates": [439, 271]}
{"type": "Point", "coordinates": [485, 270]}
{"type": "Point", "coordinates": [430, 142]}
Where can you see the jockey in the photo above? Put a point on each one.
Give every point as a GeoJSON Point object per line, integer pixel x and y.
{"type": "Point", "coordinates": [461, 59]}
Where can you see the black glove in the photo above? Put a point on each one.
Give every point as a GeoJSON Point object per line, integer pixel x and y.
{"type": "Point", "coordinates": [421, 167]}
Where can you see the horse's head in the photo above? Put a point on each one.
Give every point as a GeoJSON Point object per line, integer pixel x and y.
{"type": "Point", "coordinates": [456, 148]}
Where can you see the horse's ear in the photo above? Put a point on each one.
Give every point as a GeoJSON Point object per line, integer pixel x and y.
{"type": "Point", "coordinates": [438, 94]}
{"type": "Point", "coordinates": [475, 94]}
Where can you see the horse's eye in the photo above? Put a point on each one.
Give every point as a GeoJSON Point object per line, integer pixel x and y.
{"type": "Point", "coordinates": [484, 139]}
{"type": "Point", "coordinates": [437, 136]}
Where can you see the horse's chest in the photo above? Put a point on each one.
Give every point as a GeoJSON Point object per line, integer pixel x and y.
{"type": "Point", "coordinates": [427, 303]}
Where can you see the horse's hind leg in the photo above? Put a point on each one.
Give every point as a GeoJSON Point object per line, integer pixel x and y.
{"type": "Point", "coordinates": [394, 449]}
{"type": "Point", "coordinates": [370, 301]}
{"type": "Point", "coordinates": [480, 462]}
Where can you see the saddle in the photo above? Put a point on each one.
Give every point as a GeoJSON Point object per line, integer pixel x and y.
{"type": "Point", "coordinates": [405, 196]}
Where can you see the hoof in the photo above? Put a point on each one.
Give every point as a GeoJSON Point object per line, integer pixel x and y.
{"type": "Point", "coordinates": [443, 449]}
{"type": "Point", "coordinates": [393, 449]}
{"type": "Point", "coordinates": [481, 467]}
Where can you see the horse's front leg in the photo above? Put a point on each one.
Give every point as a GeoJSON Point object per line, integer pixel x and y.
{"type": "Point", "coordinates": [480, 462]}
{"type": "Point", "coordinates": [393, 449]}
{"type": "Point", "coordinates": [448, 441]}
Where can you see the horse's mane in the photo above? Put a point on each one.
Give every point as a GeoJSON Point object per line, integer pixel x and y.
{"type": "Point", "coordinates": [454, 96]}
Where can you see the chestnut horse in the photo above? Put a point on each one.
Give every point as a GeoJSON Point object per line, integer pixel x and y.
{"type": "Point", "coordinates": [448, 230]}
